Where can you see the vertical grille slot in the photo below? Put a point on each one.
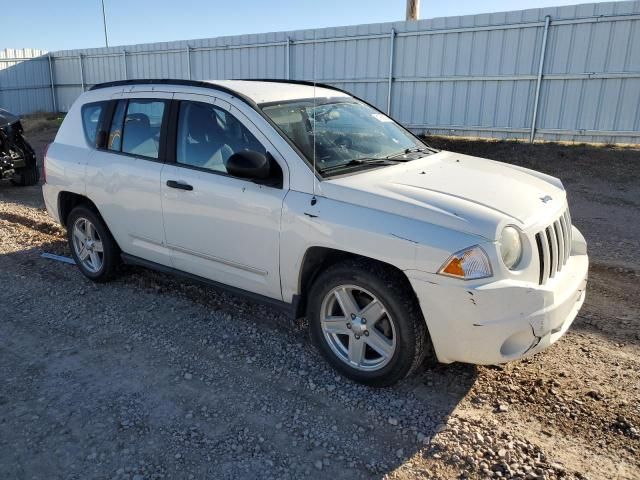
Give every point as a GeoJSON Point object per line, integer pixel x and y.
{"type": "Point", "coordinates": [554, 247]}
{"type": "Point", "coordinates": [545, 256]}
{"type": "Point", "coordinates": [560, 241]}
{"type": "Point", "coordinates": [567, 219]}
{"type": "Point", "coordinates": [565, 238]}
{"type": "Point", "coordinates": [541, 258]}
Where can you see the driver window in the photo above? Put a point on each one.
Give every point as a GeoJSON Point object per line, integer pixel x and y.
{"type": "Point", "coordinates": [208, 136]}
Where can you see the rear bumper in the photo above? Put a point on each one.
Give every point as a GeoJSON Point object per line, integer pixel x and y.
{"type": "Point", "coordinates": [50, 195]}
{"type": "Point", "coordinates": [503, 320]}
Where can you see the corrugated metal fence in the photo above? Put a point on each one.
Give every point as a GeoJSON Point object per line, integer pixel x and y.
{"type": "Point", "coordinates": [565, 73]}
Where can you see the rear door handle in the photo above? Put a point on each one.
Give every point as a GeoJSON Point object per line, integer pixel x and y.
{"type": "Point", "coordinates": [179, 185]}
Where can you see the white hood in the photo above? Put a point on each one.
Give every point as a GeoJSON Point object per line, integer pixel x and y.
{"type": "Point", "coordinates": [468, 194]}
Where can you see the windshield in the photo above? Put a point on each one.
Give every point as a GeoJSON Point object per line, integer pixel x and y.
{"type": "Point", "coordinates": [349, 133]}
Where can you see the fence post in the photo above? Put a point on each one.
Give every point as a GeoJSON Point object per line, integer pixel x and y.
{"type": "Point", "coordinates": [53, 86]}
{"type": "Point", "coordinates": [392, 37]}
{"type": "Point", "coordinates": [124, 64]}
{"type": "Point", "coordinates": [288, 58]}
{"type": "Point", "coordinates": [188, 50]}
{"type": "Point", "coordinates": [543, 49]}
{"type": "Point", "coordinates": [81, 72]}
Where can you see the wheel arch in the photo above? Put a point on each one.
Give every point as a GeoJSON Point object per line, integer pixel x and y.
{"type": "Point", "coordinates": [67, 201]}
{"type": "Point", "coordinates": [317, 259]}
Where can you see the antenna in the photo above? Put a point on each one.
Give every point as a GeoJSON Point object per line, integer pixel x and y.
{"type": "Point", "coordinates": [314, 200]}
{"type": "Point", "coordinates": [104, 22]}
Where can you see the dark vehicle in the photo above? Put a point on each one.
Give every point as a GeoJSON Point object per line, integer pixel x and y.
{"type": "Point", "coordinates": [17, 158]}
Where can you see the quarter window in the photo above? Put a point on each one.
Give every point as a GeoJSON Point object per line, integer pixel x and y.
{"type": "Point", "coordinates": [208, 136]}
{"type": "Point", "coordinates": [91, 116]}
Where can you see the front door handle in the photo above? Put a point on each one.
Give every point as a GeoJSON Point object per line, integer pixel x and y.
{"type": "Point", "coordinates": [179, 185]}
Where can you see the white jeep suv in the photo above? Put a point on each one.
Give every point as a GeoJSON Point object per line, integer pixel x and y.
{"type": "Point", "coordinates": [313, 200]}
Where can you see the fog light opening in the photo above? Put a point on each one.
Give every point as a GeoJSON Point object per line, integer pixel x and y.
{"type": "Point", "coordinates": [518, 343]}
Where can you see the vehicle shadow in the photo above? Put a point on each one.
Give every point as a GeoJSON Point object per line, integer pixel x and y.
{"type": "Point", "coordinates": [132, 346]}
{"type": "Point", "coordinates": [39, 226]}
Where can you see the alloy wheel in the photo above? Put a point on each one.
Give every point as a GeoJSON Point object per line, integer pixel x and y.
{"type": "Point", "coordinates": [358, 327]}
{"type": "Point", "coordinates": [87, 245]}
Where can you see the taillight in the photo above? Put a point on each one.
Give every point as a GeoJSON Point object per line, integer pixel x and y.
{"type": "Point", "coordinates": [44, 163]}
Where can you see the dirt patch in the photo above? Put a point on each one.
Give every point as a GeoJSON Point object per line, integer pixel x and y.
{"type": "Point", "coordinates": [573, 163]}
{"type": "Point", "coordinates": [153, 377]}
{"type": "Point", "coordinates": [42, 124]}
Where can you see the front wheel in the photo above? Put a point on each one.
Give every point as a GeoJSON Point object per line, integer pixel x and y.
{"type": "Point", "coordinates": [366, 322]}
{"type": "Point", "coordinates": [92, 246]}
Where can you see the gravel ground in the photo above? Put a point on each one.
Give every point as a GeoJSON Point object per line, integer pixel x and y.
{"type": "Point", "coordinates": [153, 377]}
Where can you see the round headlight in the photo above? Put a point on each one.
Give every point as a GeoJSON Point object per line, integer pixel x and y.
{"type": "Point", "coordinates": [510, 247]}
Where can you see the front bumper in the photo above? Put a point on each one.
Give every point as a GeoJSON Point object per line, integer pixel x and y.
{"type": "Point", "coordinates": [503, 320]}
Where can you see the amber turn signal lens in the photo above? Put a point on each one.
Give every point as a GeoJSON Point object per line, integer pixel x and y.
{"type": "Point", "coordinates": [468, 264]}
{"type": "Point", "coordinates": [454, 268]}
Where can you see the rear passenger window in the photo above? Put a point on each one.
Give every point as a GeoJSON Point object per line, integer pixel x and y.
{"type": "Point", "coordinates": [141, 134]}
{"type": "Point", "coordinates": [91, 116]}
{"type": "Point", "coordinates": [135, 127]}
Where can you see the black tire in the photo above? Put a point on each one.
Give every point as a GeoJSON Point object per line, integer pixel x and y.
{"type": "Point", "coordinates": [394, 291]}
{"type": "Point", "coordinates": [111, 252]}
{"type": "Point", "coordinates": [27, 176]}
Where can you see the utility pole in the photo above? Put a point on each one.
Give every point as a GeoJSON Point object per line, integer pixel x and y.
{"type": "Point", "coordinates": [104, 22]}
{"type": "Point", "coordinates": [413, 9]}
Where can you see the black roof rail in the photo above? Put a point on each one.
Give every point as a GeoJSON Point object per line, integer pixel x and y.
{"type": "Point", "coordinates": [204, 84]}
{"type": "Point", "coordinates": [182, 82]}
{"type": "Point", "coordinates": [164, 81]}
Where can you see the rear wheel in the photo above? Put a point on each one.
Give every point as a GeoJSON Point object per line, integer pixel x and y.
{"type": "Point", "coordinates": [366, 322]}
{"type": "Point", "coordinates": [92, 246]}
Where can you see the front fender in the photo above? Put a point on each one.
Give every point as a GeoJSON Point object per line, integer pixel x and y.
{"type": "Point", "coordinates": [403, 242]}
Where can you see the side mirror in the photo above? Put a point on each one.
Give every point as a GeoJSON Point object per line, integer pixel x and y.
{"type": "Point", "coordinates": [250, 165]}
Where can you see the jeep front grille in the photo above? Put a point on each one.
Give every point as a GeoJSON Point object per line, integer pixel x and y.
{"type": "Point", "coordinates": [554, 247]}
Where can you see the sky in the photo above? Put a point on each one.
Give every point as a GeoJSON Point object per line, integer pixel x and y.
{"type": "Point", "coordinates": [66, 24]}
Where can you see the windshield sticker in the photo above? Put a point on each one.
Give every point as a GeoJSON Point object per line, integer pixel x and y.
{"type": "Point", "coordinates": [380, 117]}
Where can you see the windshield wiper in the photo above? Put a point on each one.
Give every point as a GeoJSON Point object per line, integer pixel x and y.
{"type": "Point", "coordinates": [406, 151]}
{"type": "Point", "coordinates": [354, 162]}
